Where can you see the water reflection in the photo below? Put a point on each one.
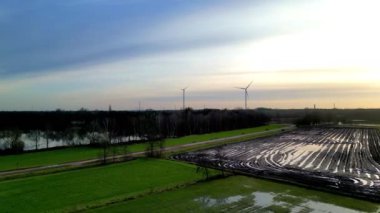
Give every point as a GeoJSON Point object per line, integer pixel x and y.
{"type": "Point", "coordinates": [325, 207]}
{"type": "Point", "coordinates": [43, 143]}
{"type": "Point", "coordinates": [211, 202]}
{"type": "Point", "coordinates": [263, 199]}
{"type": "Point", "coordinates": [295, 204]}
{"type": "Point", "coordinates": [259, 201]}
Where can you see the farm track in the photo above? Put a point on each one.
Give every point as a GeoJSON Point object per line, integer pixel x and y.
{"type": "Point", "coordinates": [345, 160]}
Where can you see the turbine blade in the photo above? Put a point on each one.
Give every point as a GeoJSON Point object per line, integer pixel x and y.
{"type": "Point", "coordinates": [249, 85]}
{"type": "Point", "coordinates": [239, 88]}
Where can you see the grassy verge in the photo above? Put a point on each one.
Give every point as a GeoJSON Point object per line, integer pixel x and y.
{"type": "Point", "coordinates": [45, 158]}
{"type": "Point", "coordinates": [97, 186]}
{"type": "Point", "coordinates": [242, 194]}
{"type": "Point", "coordinates": [222, 142]}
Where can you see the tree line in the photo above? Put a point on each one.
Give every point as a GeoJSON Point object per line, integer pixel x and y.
{"type": "Point", "coordinates": [113, 127]}
{"type": "Point", "coordinates": [99, 128]}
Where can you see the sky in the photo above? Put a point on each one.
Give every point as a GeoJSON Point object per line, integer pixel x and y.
{"type": "Point", "coordinates": [90, 54]}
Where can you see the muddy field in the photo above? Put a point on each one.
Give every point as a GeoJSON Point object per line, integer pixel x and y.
{"type": "Point", "coordinates": [344, 160]}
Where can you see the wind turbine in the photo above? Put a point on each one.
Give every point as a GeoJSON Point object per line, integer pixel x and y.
{"type": "Point", "coordinates": [245, 92]}
{"type": "Point", "coordinates": [184, 97]}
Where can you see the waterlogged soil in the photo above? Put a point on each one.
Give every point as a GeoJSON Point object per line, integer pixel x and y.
{"type": "Point", "coordinates": [243, 194]}
{"type": "Point", "coordinates": [343, 160]}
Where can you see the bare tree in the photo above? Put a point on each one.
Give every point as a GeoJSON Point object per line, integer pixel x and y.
{"type": "Point", "coordinates": [13, 142]}
{"type": "Point", "coordinates": [35, 136]}
{"type": "Point", "coordinates": [204, 171]}
{"type": "Point", "coordinates": [201, 160]}
{"type": "Point", "coordinates": [93, 134]}
{"type": "Point", "coordinates": [68, 137]}
{"type": "Point", "coordinates": [155, 148]}
{"type": "Point", "coordinates": [110, 131]}
{"type": "Point", "coordinates": [48, 134]}
{"type": "Point", "coordinates": [105, 145]}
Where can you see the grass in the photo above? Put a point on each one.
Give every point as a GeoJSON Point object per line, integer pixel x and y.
{"type": "Point", "coordinates": [222, 142]}
{"type": "Point", "coordinates": [242, 194]}
{"type": "Point", "coordinates": [84, 188]}
{"type": "Point", "coordinates": [218, 135]}
{"type": "Point", "coordinates": [45, 158]}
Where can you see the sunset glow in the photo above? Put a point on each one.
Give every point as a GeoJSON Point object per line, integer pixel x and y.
{"type": "Point", "coordinates": [298, 53]}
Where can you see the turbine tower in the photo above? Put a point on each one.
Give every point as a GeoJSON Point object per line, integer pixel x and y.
{"type": "Point", "coordinates": [245, 93]}
{"type": "Point", "coordinates": [184, 97]}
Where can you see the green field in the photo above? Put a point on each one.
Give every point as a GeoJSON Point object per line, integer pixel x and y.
{"type": "Point", "coordinates": [60, 156]}
{"type": "Point", "coordinates": [153, 185]}
{"type": "Point", "coordinates": [81, 188]}
{"type": "Point", "coordinates": [242, 194]}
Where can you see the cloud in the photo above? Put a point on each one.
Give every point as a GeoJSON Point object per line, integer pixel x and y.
{"type": "Point", "coordinates": [97, 34]}
{"type": "Point", "coordinates": [94, 53]}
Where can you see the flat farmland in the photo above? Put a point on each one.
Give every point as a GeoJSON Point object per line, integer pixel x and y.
{"type": "Point", "coordinates": [343, 160]}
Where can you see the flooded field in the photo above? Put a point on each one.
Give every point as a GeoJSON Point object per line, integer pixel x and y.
{"type": "Point", "coordinates": [244, 194]}
{"type": "Point", "coordinates": [343, 160]}
{"type": "Point", "coordinates": [43, 143]}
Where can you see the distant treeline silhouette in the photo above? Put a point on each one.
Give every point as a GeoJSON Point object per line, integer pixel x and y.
{"type": "Point", "coordinates": [119, 126]}
{"type": "Point", "coordinates": [166, 123]}
{"type": "Point", "coordinates": [310, 116]}
{"type": "Point", "coordinates": [94, 128]}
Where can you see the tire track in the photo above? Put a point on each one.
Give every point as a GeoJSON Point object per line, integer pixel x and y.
{"type": "Point", "coordinates": [341, 158]}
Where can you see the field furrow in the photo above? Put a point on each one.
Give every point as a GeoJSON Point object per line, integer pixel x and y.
{"type": "Point", "coordinates": [340, 159]}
